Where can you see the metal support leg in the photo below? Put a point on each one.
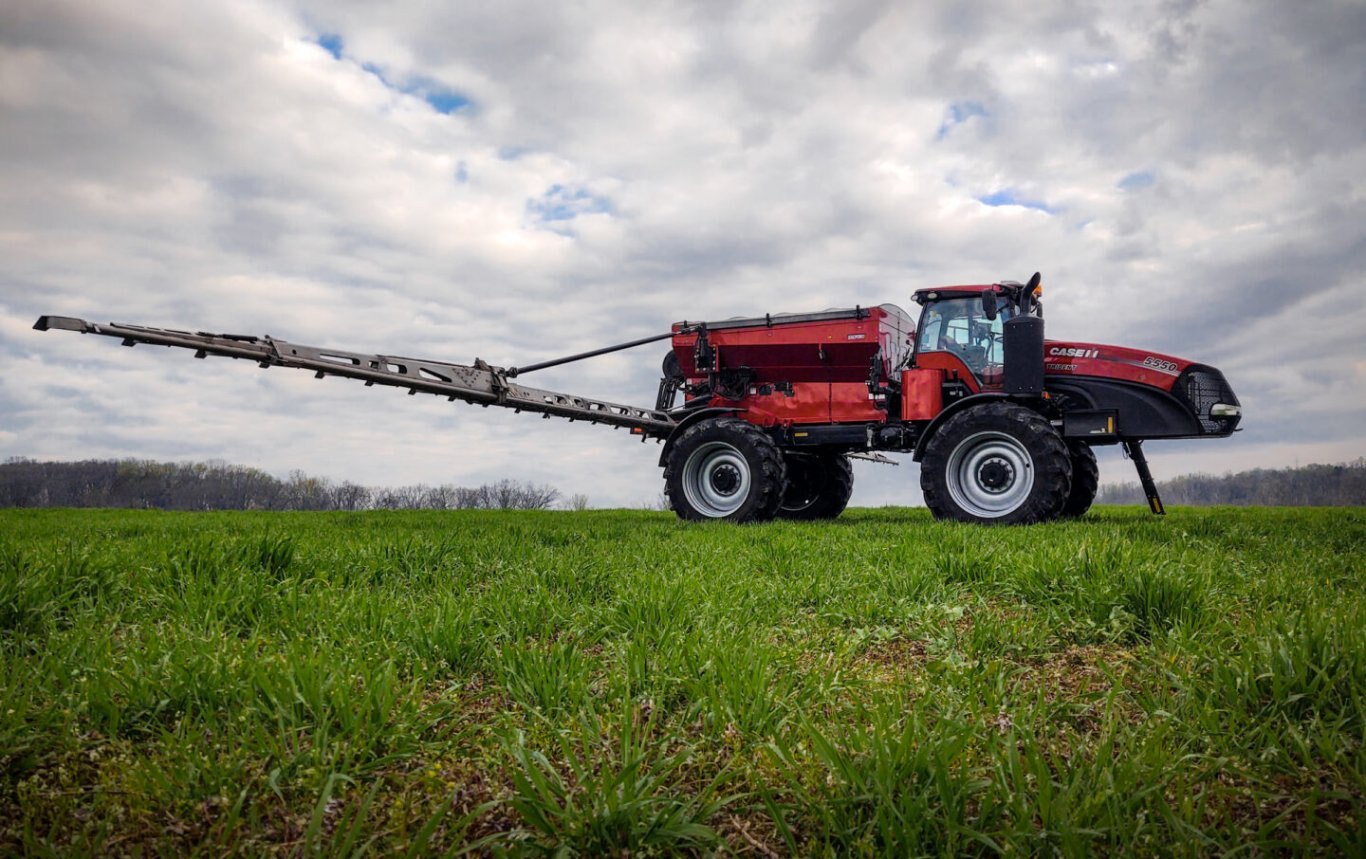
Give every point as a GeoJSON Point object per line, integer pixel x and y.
{"type": "Point", "coordinates": [1135, 451]}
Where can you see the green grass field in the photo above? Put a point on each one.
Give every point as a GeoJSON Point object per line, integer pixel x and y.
{"type": "Point", "coordinates": [612, 681]}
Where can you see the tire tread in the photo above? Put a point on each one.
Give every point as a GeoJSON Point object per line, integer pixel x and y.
{"type": "Point", "coordinates": [1085, 481]}
{"type": "Point", "coordinates": [768, 477]}
{"type": "Point", "coordinates": [1052, 463]}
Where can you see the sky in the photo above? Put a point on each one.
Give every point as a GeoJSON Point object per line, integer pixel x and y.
{"type": "Point", "coordinates": [518, 181]}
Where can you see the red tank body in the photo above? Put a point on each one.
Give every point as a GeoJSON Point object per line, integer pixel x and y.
{"type": "Point", "coordinates": [811, 368]}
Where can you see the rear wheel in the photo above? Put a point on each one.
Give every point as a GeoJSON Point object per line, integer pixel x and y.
{"type": "Point", "coordinates": [996, 464]}
{"type": "Point", "coordinates": [724, 468]}
{"type": "Point", "coordinates": [1085, 480]}
{"type": "Point", "coordinates": [818, 486]}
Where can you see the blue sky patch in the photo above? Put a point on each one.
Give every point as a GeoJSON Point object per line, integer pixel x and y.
{"type": "Point", "coordinates": [958, 113]}
{"type": "Point", "coordinates": [441, 98]}
{"type": "Point", "coordinates": [1007, 197]}
{"type": "Point", "coordinates": [332, 43]}
{"type": "Point", "coordinates": [559, 203]}
{"type": "Point", "coordinates": [1136, 181]}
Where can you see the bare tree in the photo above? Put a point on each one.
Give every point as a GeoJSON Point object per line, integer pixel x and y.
{"type": "Point", "coordinates": [350, 496]}
{"type": "Point", "coordinates": [1310, 485]}
{"type": "Point", "coordinates": [218, 486]}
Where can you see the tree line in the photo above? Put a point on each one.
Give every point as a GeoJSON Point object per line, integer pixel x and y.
{"type": "Point", "coordinates": [1307, 486]}
{"type": "Point", "coordinates": [219, 486]}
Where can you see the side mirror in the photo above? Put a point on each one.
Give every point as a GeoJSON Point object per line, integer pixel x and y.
{"type": "Point", "coordinates": [989, 306]}
{"type": "Point", "coordinates": [1028, 300]}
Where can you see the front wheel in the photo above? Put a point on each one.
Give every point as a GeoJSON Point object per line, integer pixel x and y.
{"type": "Point", "coordinates": [996, 464]}
{"type": "Point", "coordinates": [724, 468]}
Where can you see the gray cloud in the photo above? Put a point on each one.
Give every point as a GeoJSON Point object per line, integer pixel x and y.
{"type": "Point", "coordinates": [619, 167]}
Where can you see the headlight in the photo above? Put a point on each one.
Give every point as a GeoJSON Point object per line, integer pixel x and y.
{"type": "Point", "coordinates": [1224, 410]}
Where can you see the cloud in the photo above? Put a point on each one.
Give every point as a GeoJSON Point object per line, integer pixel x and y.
{"type": "Point", "coordinates": [518, 181]}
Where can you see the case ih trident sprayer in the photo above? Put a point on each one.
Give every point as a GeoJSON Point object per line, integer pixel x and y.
{"type": "Point", "coordinates": [1001, 421]}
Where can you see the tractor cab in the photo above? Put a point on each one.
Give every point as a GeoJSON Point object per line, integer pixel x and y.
{"type": "Point", "coordinates": [962, 329]}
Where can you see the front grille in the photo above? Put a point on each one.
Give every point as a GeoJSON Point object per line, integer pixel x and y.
{"type": "Point", "coordinates": [1201, 387]}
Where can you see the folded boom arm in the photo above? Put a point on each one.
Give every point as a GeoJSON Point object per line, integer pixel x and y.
{"type": "Point", "coordinates": [479, 383]}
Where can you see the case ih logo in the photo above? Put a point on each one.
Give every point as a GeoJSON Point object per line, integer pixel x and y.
{"type": "Point", "coordinates": [1064, 352]}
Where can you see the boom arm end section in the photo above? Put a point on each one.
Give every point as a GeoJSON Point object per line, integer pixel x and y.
{"type": "Point", "coordinates": [62, 323]}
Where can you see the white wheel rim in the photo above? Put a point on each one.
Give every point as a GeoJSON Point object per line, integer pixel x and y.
{"type": "Point", "coordinates": [716, 479]}
{"type": "Point", "coordinates": [990, 474]}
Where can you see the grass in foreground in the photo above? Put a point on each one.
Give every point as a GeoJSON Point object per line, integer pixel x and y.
{"type": "Point", "coordinates": [603, 682]}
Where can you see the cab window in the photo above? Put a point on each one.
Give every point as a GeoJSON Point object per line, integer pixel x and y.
{"type": "Point", "coordinates": [958, 325]}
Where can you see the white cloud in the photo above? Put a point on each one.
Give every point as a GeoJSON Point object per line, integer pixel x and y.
{"type": "Point", "coordinates": [213, 166]}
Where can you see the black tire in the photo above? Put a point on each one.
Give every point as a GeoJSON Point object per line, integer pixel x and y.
{"type": "Point", "coordinates": [724, 468]}
{"type": "Point", "coordinates": [818, 486]}
{"type": "Point", "coordinates": [996, 464]}
{"type": "Point", "coordinates": [1085, 481]}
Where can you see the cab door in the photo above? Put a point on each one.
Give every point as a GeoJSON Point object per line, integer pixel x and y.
{"type": "Point", "coordinates": [956, 336]}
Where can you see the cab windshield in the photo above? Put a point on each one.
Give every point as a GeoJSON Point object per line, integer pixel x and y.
{"type": "Point", "coordinates": [959, 325]}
